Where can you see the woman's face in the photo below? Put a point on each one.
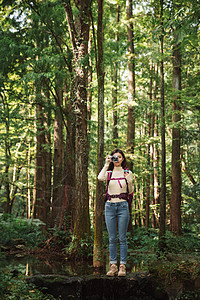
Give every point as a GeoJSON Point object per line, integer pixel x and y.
{"type": "Point", "coordinates": [120, 159]}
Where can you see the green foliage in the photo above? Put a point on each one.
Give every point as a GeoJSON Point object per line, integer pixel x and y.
{"type": "Point", "coordinates": [143, 239]}
{"type": "Point", "coordinates": [79, 249]}
{"type": "Point", "coordinates": [189, 295]}
{"type": "Point", "coordinates": [15, 287]}
{"type": "Point", "coordinates": [36, 51]}
{"type": "Point", "coordinates": [176, 267]}
{"type": "Point", "coordinates": [143, 246]}
{"type": "Point", "coordinates": [188, 242]}
{"type": "Point", "coordinates": [17, 228]}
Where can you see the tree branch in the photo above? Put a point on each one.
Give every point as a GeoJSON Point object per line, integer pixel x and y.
{"type": "Point", "coordinates": [70, 21]}
{"type": "Point", "coordinates": [51, 30]}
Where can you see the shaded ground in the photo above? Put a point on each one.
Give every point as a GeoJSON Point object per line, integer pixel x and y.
{"type": "Point", "coordinates": [176, 276]}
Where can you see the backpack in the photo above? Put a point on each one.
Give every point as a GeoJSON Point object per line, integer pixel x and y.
{"type": "Point", "coordinates": [126, 196]}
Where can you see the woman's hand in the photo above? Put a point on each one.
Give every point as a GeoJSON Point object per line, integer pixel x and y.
{"type": "Point", "coordinates": [128, 174]}
{"type": "Point", "coordinates": [108, 159]}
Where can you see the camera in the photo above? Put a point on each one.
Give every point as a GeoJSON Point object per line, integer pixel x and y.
{"type": "Point", "coordinates": [114, 158]}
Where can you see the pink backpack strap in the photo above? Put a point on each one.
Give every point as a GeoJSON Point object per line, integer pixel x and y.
{"type": "Point", "coordinates": [106, 196]}
{"type": "Point", "coordinates": [118, 179]}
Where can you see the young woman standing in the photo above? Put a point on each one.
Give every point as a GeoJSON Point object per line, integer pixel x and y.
{"type": "Point", "coordinates": [119, 186]}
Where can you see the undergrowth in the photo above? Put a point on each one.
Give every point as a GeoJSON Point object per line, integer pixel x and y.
{"type": "Point", "coordinates": [13, 228]}
{"type": "Point", "coordinates": [15, 287]}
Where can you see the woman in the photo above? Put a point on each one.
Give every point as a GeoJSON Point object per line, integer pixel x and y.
{"type": "Point", "coordinates": [119, 186]}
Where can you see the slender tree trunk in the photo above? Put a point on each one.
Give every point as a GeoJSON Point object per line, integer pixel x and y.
{"type": "Point", "coordinates": [7, 206]}
{"type": "Point", "coordinates": [156, 154]}
{"type": "Point", "coordinates": [89, 93]}
{"type": "Point", "coordinates": [151, 135]}
{"type": "Point", "coordinates": [131, 90]}
{"type": "Point", "coordinates": [114, 104]}
{"type": "Point", "coordinates": [58, 163]}
{"type": "Point", "coordinates": [99, 204]}
{"type": "Point", "coordinates": [131, 78]}
{"type": "Point", "coordinates": [48, 157]}
{"type": "Point", "coordinates": [163, 148]}
{"type": "Point", "coordinates": [156, 187]}
{"type": "Point", "coordinates": [175, 211]}
{"type": "Point", "coordinates": [187, 172]}
{"type": "Point", "coordinates": [28, 178]}
{"type": "Point", "coordinates": [148, 181]}
{"type": "Point", "coordinates": [69, 197]}
{"type": "Point", "coordinates": [13, 190]}
{"type": "Point", "coordinates": [115, 83]}
{"type": "Point", "coordinates": [39, 185]}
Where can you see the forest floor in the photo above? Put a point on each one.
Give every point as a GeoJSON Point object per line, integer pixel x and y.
{"type": "Point", "coordinates": [30, 253]}
{"type": "Point", "coordinates": [179, 273]}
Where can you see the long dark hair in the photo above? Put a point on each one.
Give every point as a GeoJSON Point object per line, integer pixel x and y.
{"type": "Point", "coordinates": [111, 165]}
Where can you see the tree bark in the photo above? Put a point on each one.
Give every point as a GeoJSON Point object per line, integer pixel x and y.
{"type": "Point", "coordinates": [131, 79]}
{"type": "Point", "coordinates": [163, 148]}
{"type": "Point", "coordinates": [148, 181]}
{"type": "Point", "coordinates": [28, 178]}
{"type": "Point", "coordinates": [58, 163]}
{"type": "Point", "coordinates": [151, 135]}
{"type": "Point", "coordinates": [175, 212]}
{"type": "Point", "coordinates": [7, 206]}
{"type": "Point", "coordinates": [79, 35]}
{"type": "Point", "coordinates": [156, 157]}
{"type": "Point", "coordinates": [41, 207]}
{"type": "Point", "coordinates": [131, 90]}
{"type": "Point", "coordinates": [70, 195]}
{"type": "Point", "coordinates": [89, 93]}
{"type": "Point", "coordinates": [39, 178]}
{"type": "Point", "coordinates": [48, 156]}
{"type": "Point", "coordinates": [99, 203]}
{"type": "Point", "coordinates": [115, 84]}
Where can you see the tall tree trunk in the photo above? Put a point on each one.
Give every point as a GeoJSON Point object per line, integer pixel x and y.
{"type": "Point", "coordinates": [115, 83]}
{"type": "Point", "coordinates": [48, 157]}
{"type": "Point", "coordinates": [148, 180]}
{"type": "Point", "coordinates": [151, 135]}
{"type": "Point", "coordinates": [79, 34]}
{"type": "Point", "coordinates": [131, 78]}
{"type": "Point", "coordinates": [58, 163]}
{"type": "Point", "coordinates": [70, 195]}
{"type": "Point", "coordinates": [28, 178]}
{"type": "Point", "coordinates": [131, 89]}
{"type": "Point", "coordinates": [42, 176]}
{"type": "Point", "coordinates": [89, 93]}
{"type": "Point", "coordinates": [99, 204]}
{"type": "Point", "coordinates": [39, 178]}
{"type": "Point", "coordinates": [163, 148]}
{"type": "Point", "coordinates": [156, 180]}
{"type": "Point", "coordinates": [175, 212]}
{"type": "Point", "coordinates": [7, 206]}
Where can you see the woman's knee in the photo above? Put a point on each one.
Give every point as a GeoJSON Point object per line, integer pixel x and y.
{"type": "Point", "coordinates": [113, 240]}
{"type": "Point", "coordinates": [122, 240]}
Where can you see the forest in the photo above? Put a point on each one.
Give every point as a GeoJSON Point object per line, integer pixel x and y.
{"type": "Point", "coordinates": [80, 78]}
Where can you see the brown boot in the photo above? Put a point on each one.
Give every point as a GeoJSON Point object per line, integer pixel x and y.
{"type": "Point", "coordinates": [122, 270]}
{"type": "Point", "coordinates": [112, 271]}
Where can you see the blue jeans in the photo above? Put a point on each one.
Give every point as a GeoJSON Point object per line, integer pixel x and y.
{"type": "Point", "coordinates": [113, 212]}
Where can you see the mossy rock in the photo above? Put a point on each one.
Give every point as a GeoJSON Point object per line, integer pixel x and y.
{"type": "Point", "coordinates": [137, 286]}
{"type": "Point", "coordinates": [179, 274]}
